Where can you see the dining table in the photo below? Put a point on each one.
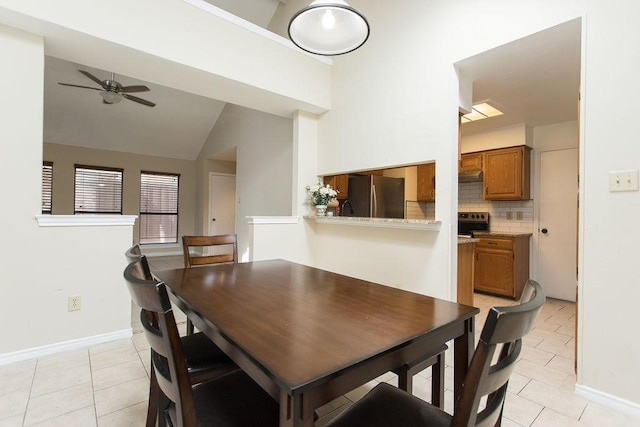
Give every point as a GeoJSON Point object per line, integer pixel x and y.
{"type": "Point", "coordinates": [308, 335]}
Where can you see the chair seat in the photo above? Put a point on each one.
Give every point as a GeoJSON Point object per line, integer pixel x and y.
{"type": "Point", "coordinates": [233, 400]}
{"type": "Point", "coordinates": [386, 406]}
{"type": "Point", "coordinates": [204, 357]}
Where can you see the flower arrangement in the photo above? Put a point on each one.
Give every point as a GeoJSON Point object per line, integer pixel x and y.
{"type": "Point", "coordinates": [320, 195]}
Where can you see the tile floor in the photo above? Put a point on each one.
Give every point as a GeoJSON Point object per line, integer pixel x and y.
{"type": "Point", "coordinates": [107, 385]}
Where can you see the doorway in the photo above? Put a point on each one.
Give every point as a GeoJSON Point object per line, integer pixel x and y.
{"type": "Point", "coordinates": [222, 213]}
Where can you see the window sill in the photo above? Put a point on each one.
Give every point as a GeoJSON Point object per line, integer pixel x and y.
{"type": "Point", "coordinates": [85, 220]}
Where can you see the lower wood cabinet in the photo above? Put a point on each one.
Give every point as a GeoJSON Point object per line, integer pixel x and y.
{"type": "Point", "coordinates": [465, 273]}
{"type": "Point", "coordinates": [501, 265]}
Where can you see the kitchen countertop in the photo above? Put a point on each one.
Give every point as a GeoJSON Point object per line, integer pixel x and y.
{"type": "Point", "coordinates": [409, 224]}
{"type": "Point", "coordinates": [463, 240]}
{"type": "Point", "coordinates": [500, 234]}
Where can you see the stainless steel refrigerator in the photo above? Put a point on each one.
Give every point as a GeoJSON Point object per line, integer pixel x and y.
{"type": "Point", "coordinates": [375, 196]}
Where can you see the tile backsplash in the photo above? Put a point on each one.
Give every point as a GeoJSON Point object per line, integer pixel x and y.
{"type": "Point", "coordinates": [420, 210]}
{"type": "Point", "coordinates": [470, 200]}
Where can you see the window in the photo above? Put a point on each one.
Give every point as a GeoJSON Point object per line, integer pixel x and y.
{"type": "Point", "coordinates": [47, 185]}
{"type": "Point", "coordinates": [98, 190]}
{"type": "Point", "coordinates": [158, 208]}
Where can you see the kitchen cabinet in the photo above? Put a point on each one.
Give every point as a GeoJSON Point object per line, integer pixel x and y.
{"type": "Point", "coordinates": [501, 265]}
{"type": "Point", "coordinates": [426, 191]}
{"type": "Point", "coordinates": [470, 162]}
{"type": "Point", "coordinates": [339, 183]}
{"type": "Point", "coordinates": [507, 174]}
{"type": "Point", "coordinates": [465, 272]}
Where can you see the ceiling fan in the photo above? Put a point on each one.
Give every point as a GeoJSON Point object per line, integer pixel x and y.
{"type": "Point", "coordinates": [112, 91]}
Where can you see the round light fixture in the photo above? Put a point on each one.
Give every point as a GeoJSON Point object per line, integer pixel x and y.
{"type": "Point", "coordinates": [328, 27]}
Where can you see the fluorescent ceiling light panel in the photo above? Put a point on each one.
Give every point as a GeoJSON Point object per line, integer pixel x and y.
{"type": "Point", "coordinates": [481, 111]}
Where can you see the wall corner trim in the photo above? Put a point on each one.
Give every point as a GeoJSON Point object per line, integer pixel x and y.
{"type": "Point", "coordinates": [85, 220]}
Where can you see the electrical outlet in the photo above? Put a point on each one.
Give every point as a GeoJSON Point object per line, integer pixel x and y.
{"type": "Point", "coordinates": [519, 215]}
{"type": "Point", "coordinates": [509, 216]}
{"type": "Point", "coordinates": [73, 303]}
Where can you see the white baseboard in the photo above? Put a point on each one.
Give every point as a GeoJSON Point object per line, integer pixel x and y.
{"type": "Point", "coordinates": [45, 350]}
{"type": "Point", "coordinates": [608, 400]}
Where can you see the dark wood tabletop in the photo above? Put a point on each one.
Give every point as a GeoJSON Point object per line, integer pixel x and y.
{"type": "Point", "coordinates": [307, 335]}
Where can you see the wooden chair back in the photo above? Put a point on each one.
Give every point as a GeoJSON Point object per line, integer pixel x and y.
{"type": "Point", "coordinates": [167, 355]}
{"type": "Point", "coordinates": [134, 254]}
{"type": "Point", "coordinates": [199, 242]}
{"type": "Point", "coordinates": [503, 330]}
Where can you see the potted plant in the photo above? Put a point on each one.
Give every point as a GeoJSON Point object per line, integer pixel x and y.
{"type": "Point", "coordinates": [320, 196]}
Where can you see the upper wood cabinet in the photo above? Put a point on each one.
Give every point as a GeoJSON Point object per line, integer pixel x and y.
{"type": "Point", "coordinates": [339, 183]}
{"type": "Point", "coordinates": [426, 191]}
{"type": "Point", "coordinates": [470, 162]}
{"type": "Point", "coordinates": [507, 174]}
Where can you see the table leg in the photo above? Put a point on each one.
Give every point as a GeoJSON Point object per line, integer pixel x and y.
{"type": "Point", "coordinates": [463, 351]}
{"type": "Point", "coordinates": [295, 411]}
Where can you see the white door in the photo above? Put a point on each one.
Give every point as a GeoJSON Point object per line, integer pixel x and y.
{"type": "Point", "coordinates": [222, 206]}
{"type": "Point", "coordinates": [557, 229]}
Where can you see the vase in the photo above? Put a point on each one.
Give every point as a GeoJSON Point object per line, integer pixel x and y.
{"type": "Point", "coordinates": [321, 210]}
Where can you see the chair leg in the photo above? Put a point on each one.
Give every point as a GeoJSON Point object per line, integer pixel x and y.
{"type": "Point", "coordinates": [437, 382]}
{"type": "Point", "coordinates": [189, 327]}
{"type": "Point", "coordinates": [152, 409]}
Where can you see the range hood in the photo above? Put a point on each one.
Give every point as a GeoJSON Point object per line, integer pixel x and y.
{"type": "Point", "coordinates": [475, 176]}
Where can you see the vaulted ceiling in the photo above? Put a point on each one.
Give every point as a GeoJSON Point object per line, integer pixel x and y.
{"type": "Point", "coordinates": [534, 80]}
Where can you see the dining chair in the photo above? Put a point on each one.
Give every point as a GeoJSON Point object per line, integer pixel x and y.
{"type": "Point", "coordinates": [226, 242]}
{"type": "Point", "coordinates": [203, 358]}
{"type": "Point", "coordinates": [232, 399]}
{"type": "Point", "coordinates": [435, 360]}
{"type": "Point", "coordinates": [504, 328]}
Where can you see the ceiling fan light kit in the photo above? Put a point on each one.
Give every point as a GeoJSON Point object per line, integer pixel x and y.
{"type": "Point", "coordinates": [113, 92]}
{"type": "Point", "coordinates": [328, 27]}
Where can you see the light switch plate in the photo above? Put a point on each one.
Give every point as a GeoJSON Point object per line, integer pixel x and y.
{"type": "Point", "coordinates": [623, 180]}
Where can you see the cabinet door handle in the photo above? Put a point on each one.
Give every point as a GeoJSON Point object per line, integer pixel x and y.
{"type": "Point", "coordinates": [492, 243]}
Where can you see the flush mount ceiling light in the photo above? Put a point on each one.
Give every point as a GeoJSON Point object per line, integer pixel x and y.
{"type": "Point", "coordinates": [111, 97]}
{"type": "Point", "coordinates": [328, 27]}
{"type": "Point", "coordinates": [481, 111]}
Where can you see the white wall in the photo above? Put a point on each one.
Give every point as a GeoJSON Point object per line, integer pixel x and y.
{"type": "Point", "coordinates": [43, 266]}
{"type": "Point", "coordinates": [394, 101]}
{"type": "Point", "coordinates": [264, 164]}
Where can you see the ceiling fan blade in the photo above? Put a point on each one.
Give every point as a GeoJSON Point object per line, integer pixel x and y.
{"type": "Point", "coordinates": [94, 78]}
{"type": "Point", "coordinates": [139, 100]}
{"type": "Point", "coordinates": [135, 88]}
{"type": "Point", "coordinates": [83, 87]}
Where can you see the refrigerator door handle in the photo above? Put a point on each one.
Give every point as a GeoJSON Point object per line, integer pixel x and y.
{"type": "Point", "coordinates": [374, 198]}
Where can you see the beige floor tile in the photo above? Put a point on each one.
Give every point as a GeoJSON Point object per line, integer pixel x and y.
{"type": "Point", "coordinates": [121, 396]}
{"type": "Point", "coordinates": [564, 350]}
{"type": "Point", "coordinates": [520, 410]}
{"type": "Point", "coordinates": [517, 382]}
{"type": "Point", "coordinates": [64, 360]}
{"type": "Point", "coordinates": [551, 418]}
{"type": "Point", "coordinates": [322, 421]}
{"type": "Point", "coordinates": [109, 346]}
{"type": "Point", "coordinates": [567, 330]}
{"type": "Point", "coordinates": [17, 376]}
{"type": "Point", "coordinates": [61, 402]}
{"type": "Point", "coordinates": [332, 406]}
{"type": "Point", "coordinates": [12, 421]}
{"type": "Point", "coordinates": [140, 342]}
{"type": "Point", "coordinates": [536, 355]}
{"type": "Point", "coordinates": [539, 373]}
{"type": "Point", "coordinates": [359, 392]}
{"type": "Point", "coordinates": [85, 417]}
{"type": "Point", "coordinates": [562, 401]}
{"type": "Point", "coordinates": [506, 422]}
{"type": "Point", "coordinates": [15, 403]}
{"type": "Point", "coordinates": [562, 364]}
{"type": "Point", "coordinates": [596, 415]}
{"type": "Point", "coordinates": [50, 377]}
{"type": "Point", "coordinates": [133, 416]}
{"type": "Point", "coordinates": [114, 357]}
{"type": "Point", "coordinates": [118, 374]}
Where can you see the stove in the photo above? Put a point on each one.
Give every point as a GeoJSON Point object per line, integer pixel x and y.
{"type": "Point", "coordinates": [468, 222]}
